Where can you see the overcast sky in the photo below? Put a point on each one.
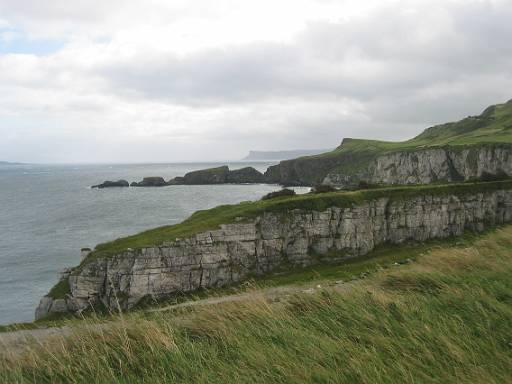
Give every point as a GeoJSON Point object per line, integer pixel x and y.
{"type": "Point", "coordinates": [195, 80]}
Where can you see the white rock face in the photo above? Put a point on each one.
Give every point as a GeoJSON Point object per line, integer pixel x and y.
{"type": "Point", "coordinates": [271, 242]}
{"type": "Point", "coordinates": [431, 165]}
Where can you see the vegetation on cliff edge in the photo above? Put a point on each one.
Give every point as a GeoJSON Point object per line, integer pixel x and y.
{"type": "Point", "coordinates": [212, 218]}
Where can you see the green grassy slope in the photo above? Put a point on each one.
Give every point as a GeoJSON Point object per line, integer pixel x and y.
{"type": "Point", "coordinates": [444, 318]}
{"type": "Point", "coordinates": [212, 218]}
{"type": "Point", "coordinates": [493, 126]}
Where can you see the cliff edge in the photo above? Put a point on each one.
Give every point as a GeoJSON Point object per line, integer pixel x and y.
{"type": "Point", "coordinates": [228, 244]}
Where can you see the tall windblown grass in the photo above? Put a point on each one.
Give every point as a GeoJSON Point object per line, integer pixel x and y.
{"type": "Point", "coordinates": [446, 318]}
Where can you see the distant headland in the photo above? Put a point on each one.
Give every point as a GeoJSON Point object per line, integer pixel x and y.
{"type": "Point", "coordinates": [283, 155]}
{"type": "Point", "coordinates": [9, 163]}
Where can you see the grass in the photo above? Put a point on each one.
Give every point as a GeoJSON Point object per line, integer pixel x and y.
{"type": "Point", "coordinates": [494, 125]}
{"type": "Point", "coordinates": [212, 218]}
{"type": "Point", "coordinates": [445, 318]}
{"type": "Point", "coordinates": [384, 256]}
{"type": "Point", "coordinates": [54, 320]}
{"type": "Point", "coordinates": [60, 290]}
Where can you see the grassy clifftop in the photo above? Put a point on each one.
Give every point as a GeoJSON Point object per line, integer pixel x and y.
{"type": "Point", "coordinates": [493, 126]}
{"type": "Point", "coordinates": [212, 218]}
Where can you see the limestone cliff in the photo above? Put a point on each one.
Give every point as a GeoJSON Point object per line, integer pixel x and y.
{"type": "Point", "coordinates": [271, 241]}
{"type": "Point", "coordinates": [424, 166]}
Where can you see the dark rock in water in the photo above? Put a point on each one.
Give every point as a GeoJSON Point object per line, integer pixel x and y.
{"type": "Point", "coordinates": [245, 175]}
{"type": "Point", "coordinates": [153, 181]}
{"type": "Point", "coordinates": [177, 181]}
{"type": "Point", "coordinates": [281, 193]}
{"type": "Point", "coordinates": [219, 175]}
{"type": "Point", "coordinates": [111, 184]}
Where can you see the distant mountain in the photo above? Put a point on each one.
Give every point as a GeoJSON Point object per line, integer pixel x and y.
{"type": "Point", "coordinates": [8, 163]}
{"type": "Point", "coordinates": [283, 155]}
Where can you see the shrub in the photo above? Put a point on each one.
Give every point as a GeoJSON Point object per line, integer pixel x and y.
{"type": "Point", "coordinates": [281, 193]}
{"type": "Point", "coordinates": [323, 189]}
{"type": "Point", "coordinates": [499, 175]}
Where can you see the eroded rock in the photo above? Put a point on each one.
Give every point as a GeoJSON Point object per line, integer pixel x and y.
{"type": "Point", "coordinates": [112, 184]}
{"type": "Point", "coordinates": [153, 181]}
{"type": "Point", "coordinates": [272, 242]}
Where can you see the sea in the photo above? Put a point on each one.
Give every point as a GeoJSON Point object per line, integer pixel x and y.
{"type": "Point", "coordinates": [49, 212]}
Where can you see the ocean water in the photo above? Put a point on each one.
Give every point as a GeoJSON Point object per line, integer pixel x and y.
{"type": "Point", "coordinates": [49, 212]}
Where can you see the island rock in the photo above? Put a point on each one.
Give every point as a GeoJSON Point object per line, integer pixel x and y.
{"type": "Point", "coordinates": [112, 184]}
{"type": "Point", "coordinates": [153, 181]}
{"type": "Point", "coordinates": [220, 175]}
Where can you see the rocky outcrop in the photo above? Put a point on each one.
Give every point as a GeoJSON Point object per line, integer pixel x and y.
{"type": "Point", "coordinates": [220, 175]}
{"type": "Point", "coordinates": [112, 184]}
{"type": "Point", "coordinates": [207, 176]}
{"type": "Point", "coordinates": [244, 176]}
{"type": "Point", "coordinates": [271, 242]}
{"type": "Point", "coordinates": [302, 171]}
{"type": "Point", "coordinates": [150, 182]}
{"type": "Point", "coordinates": [446, 164]}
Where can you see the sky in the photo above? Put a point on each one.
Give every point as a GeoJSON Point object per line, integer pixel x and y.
{"type": "Point", "coordinates": [199, 80]}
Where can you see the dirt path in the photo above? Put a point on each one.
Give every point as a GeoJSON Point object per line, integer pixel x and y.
{"type": "Point", "coordinates": [13, 343]}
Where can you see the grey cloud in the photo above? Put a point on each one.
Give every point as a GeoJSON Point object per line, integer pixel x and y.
{"type": "Point", "coordinates": [390, 54]}
{"type": "Point", "coordinates": [386, 74]}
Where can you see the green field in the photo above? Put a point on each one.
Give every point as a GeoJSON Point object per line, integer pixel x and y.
{"type": "Point", "coordinates": [446, 317]}
{"type": "Point", "coordinates": [494, 125]}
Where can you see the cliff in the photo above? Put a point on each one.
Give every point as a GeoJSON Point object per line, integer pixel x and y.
{"type": "Point", "coordinates": [228, 244]}
{"type": "Point", "coordinates": [468, 149]}
{"type": "Point", "coordinates": [424, 166]}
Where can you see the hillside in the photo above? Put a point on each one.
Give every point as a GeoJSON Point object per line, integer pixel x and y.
{"type": "Point", "coordinates": [352, 159]}
{"type": "Point", "coordinates": [437, 313]}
